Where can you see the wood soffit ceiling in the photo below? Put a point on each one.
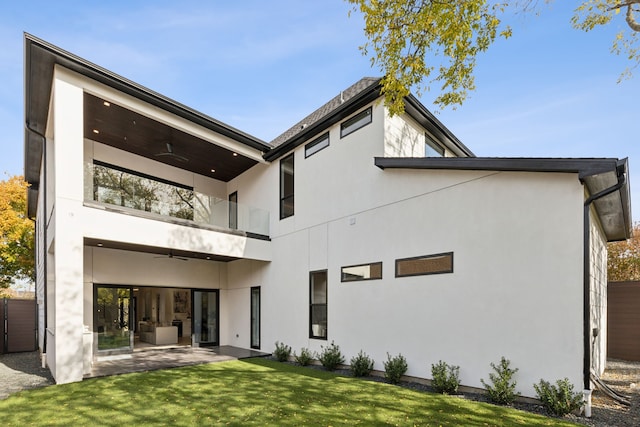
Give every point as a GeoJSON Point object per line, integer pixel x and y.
{"type": "Point", "coordinates": [126, 130]}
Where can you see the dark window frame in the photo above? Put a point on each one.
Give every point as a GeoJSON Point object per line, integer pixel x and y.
{"type": "Point", "coordinates": [315, 143]}
{"type": "Point", "coordinates": [233, 210]}
{"type": "Point", "coordinates": [434, 146]}
{"type": "Point", "coordinates": [286, 197]}
{"type": "Point", "coordinates": [325, 304]}
{"type": "Point", "coordinates": [440, 255]}
{"type": "Point", "coordinates": [342, 274]}
{"type": "Point", "coordinates": [253, 344]}
{"type": "Point", "coordinates": [344, 131]}
{"type": "Point", "coordinates": [142, 175]}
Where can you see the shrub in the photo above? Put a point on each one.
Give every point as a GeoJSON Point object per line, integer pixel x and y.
{"type": "Point", "coordinates": [361, 365]}
{"type": "Point", "coordinates": [394, 368]}
{"type": "Point", "coordinates": [559, 399]}
{"type": "Point", "coordinates": [502, 387]}
{"type": "Point", "coordinates": [282, 352]}
{"type": "Point", "coordinates": [304, 358]}
{"type": "Point", "coordinates": [445, 378]}
{"type": "Point", "coordinates": [331, 357]}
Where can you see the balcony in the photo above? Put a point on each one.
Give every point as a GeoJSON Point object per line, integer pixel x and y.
{"type": "Point", "coordinates": [133, 192]}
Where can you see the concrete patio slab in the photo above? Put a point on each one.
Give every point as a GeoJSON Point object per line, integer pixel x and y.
{"type": "Point", "coordinates": [151, 360]}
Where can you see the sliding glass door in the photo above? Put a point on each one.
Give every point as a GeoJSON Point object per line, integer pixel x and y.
{"type": "Point", "coordinates": [206, 306]}
{"type": "Point", "coordinates": [113, 317]}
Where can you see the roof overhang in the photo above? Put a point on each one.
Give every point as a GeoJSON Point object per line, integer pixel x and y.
{"type": "Point", "coordinates": [368, 95]}
{"type": "Point", "coordinates": [419, 112]}
{"type": "Point", "coordinates": [40, 59]}
{"type": "Point", "coordinates": [598, 176]}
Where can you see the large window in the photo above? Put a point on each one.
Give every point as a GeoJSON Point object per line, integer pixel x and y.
{"type": "Point", "coordinates": [356, 122]}
{"type": "Point", "coordinates": [314, 146]}
{"type": "Point", "coordinates": [119, 186]}
{"type": "Point", "coordinates": [361, 272]}
{"type": "Point", "coordinates": [422, 265]}
{"type": "Point", "coordinates": [318, 304]}
{"type": "Point", "coordinates": [286, 187]}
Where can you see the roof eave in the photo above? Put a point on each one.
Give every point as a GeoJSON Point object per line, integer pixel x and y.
{"type": "Point", "coordinates": [596, 173]}
{"type": "Point", "coordinates": [40, 58]}
{"type": "Point", "coordinates": [365, 97]}
{"type": "Point", "coordinates": [419, 112]}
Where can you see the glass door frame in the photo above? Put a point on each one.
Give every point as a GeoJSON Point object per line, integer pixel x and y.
{"type": "Point", "coordinates": [194, 332]}
{"type": "Point", "coordinates": [130, 321]}
{"type": "Point", "coordinates": [255, 320]}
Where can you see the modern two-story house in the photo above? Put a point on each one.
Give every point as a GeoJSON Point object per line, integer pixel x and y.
{"type": "Point", "coordinates": [158, 225]}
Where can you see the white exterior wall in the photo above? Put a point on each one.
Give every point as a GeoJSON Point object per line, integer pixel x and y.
{"type": "Point", "coordinates": [65, 339]}
{"type": "Point", "coordinates": [404, 137]}
{"type": "Point", "coordinates": [598, 289]}
{"type": "Point", "coordinates": [517, 243]}
{"type": "Point", "coordinates": [516, 289]}
{"type": "Point", "coordinates": [73, 269]}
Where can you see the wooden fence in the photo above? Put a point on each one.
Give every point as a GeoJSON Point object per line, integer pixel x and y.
{"type": "Point", "coordinates": [18, 325]}
{"type": "Point", "coordinates": [623, 320]}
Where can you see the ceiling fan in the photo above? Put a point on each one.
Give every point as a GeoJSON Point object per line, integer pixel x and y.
{"type": "Point", "coordinates": [170, 255]}
{"type": "Point", "coordinates": [170, 153]}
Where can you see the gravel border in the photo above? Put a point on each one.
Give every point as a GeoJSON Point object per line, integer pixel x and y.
{"type": "Point", "coordinates": [22, 371]}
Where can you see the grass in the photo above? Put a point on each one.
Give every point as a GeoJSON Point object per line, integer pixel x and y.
{"type": "Point", "coordinates": [250, 392]}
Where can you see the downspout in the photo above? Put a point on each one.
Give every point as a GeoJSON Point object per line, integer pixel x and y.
{"type": "Point", "coordinates": [44, 237]}
{"type": "Point", "coordinates": [587, 286]}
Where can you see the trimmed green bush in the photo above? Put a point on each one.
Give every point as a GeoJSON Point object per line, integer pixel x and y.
{"type": "Point", "coordinates": [502, 387]}
{"type": "Point", "coordinates": [304, 358]}
{"type": "Point", "coordinates": [361, 365]}
{"type": "Point", "coordinates": [331, 357]}
{"type": "Point", "coordinates": [394, 368]}
{"type": "Point", "coordinates": [446, 379]}
{"type": "Point", "coordinates": [559, 399]}
{"type": "Point", "coordinates": [282, 352]}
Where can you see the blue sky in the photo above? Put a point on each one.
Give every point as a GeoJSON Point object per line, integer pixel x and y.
{"type": "Point", "coordinates": [549, 91]}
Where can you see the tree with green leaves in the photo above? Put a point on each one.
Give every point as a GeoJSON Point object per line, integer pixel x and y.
{"type": "Point", "coordinates": [417, 43]}
{"type": "Point", "coordinates": [16, 233]}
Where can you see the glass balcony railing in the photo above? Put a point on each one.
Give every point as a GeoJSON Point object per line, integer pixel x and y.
{"type": "Point", "coordinates": [111, 185]}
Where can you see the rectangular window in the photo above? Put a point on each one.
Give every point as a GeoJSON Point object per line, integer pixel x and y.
{"type": "Point", "coordinates": [432, 148]}
{"type": "Point", "coordinates": [422, 265]}
{"type": "Point", "coordinates": [354, 273]}
{"type": "Point", "coordinates": [356, 122]}
{"type": "Point", "coordinates": [286, 187]}
{"type": "Point", "coordinates": [233, 210]}
{"type": "Point", "coordinates": [318, 304]}
{"type": "Point", "coordinates": [255, 317]}
{"type": "Point", "coordinates": [119, 186]}
{"type": "Point", "coordinates": [314, 146]}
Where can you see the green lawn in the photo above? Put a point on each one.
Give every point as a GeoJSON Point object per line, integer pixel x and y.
{"type": "Point", "coordinates": [250, 392]}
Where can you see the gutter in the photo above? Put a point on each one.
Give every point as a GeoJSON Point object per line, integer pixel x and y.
{"type": "Point", "coordinates": [588, 333]}
{"type": "Point", "coordinates": [43, 188]}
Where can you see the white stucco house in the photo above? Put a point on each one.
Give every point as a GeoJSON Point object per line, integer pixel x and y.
{"type": "Point", "coordinates": [157, 224]}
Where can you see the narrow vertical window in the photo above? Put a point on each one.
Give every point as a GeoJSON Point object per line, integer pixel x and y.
{"type": "Point", "coordinates": [318, 304]}
{"type": "Point", "coordinates": [233, 210]}
{"type": "Point", "coordinates": [255, 317]}
{"type": "Point", "coordinates": [286, 187]}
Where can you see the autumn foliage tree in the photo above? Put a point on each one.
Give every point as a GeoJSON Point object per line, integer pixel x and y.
{"type": "Point", "coordinates": [623, 263]}
{"type": "Point", "coordinates": [418, 43]}
{"type": "Point", "coordinates": [16, 233]}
